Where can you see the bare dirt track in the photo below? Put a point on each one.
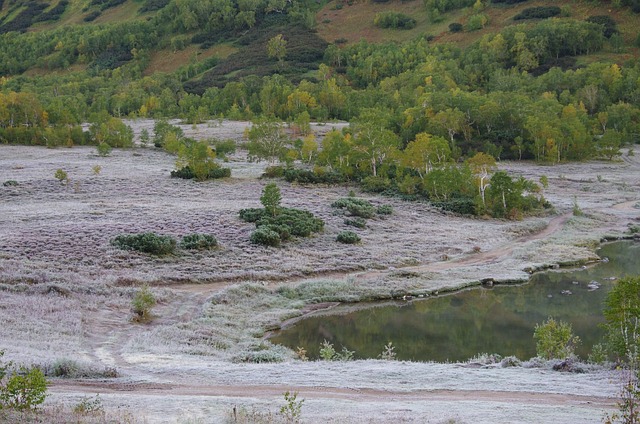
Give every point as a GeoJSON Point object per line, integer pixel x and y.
{"type": "Point", "coordinates": [66, 291]}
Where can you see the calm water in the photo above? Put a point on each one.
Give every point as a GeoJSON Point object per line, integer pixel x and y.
{"type": "Point", "coordinates": [457, 327]}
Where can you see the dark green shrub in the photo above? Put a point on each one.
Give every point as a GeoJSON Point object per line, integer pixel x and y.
{"type": "Point", "coordinates": [304, 176]}
{"type": "Point", "coordinates": [348, 237]}
{"type": "Point", "coordinates": [283, 230]}
{"type": "Point", "coordinates": [461, 205]}
{"type": "Point", "coordinates": [10, 183]}
{"type": "Point", "coordinates": [384, 210]}
{"type": "Point", "coordinates": [198, 241]}
{"type": "Point", "coordinates": [455, 27]}
{"type": "Point", "coordinates": [146, 242]}
{"type": "Point", "coordinates": [266, 237]}
{"type": "Point", "coordinates": [355, 207]}
{"type": "Point", "coordinates": [375, 184]}
{"type": "Point", "coordinates": [251, 214]}
{"type": "Point", "coordinates": [300, 223]}
{"type": "Point", "coordinates": [356, 222]}
{"type": "Point", "coordinates": [539, 12]}
{"type": "Point", "coordinates": [188, 174]}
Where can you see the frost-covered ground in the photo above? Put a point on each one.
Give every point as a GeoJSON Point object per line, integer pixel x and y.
{"type": "Point", "coordinates": [65, 291]}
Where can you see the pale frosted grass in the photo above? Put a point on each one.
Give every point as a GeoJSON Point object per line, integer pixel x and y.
{"type": "Point", "coordinates": [48, 230]}
{"type": "Point", "coordinates": [37, 327]}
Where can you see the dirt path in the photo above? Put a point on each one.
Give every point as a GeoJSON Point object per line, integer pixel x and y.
{"type": "Point", "coordinates": [357, 395]}
{"type": "Point", "coordinates": [482, 258]}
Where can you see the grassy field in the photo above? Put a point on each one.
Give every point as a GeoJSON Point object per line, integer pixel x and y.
{"type": "Point", "coordinates": [66, 291]}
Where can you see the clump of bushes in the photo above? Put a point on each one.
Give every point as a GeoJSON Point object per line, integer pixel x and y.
{"type": "Point", "coordinates": [266, 237]}
{"type": "Point", "coordinates": [348, 237]}
{"type": "Point", "coordinates": [355, 207]}
{"type": "Point", "coordinates": [298, 222]}
{"type": "Point", "coordinates": [459, 205]}
{"type": "Point", "coordinates": [361, 208]}
{"type": "Point", "coordinates": [394, 20]}
{"type": "Point", "coordinates": [214, 173]}
{"type": "Point", "coordinates": [384, 210]}
{"type": "Point", "coordinates": [304, 176]}
{"type": "Point", "coordinates": [198, 241]}
{"type": "Point", "coordinates": [275, 224]}
{"type": "Point", "coordinates": [149, 242]}
{"type": "Point", "coordinates": [539, 12]}
{"type": "Point", "coordinates": [22, 390]}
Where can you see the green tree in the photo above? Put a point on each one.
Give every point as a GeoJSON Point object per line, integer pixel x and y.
{"type": "Point", "coordinates": [374, 143]}
{"type": "Point", "coordinates": [337, 151]}
{"type": "Point", "coordinates": [555, 339]}
{"type": "Point", "coordinates": [482, 165]}
{"type": "Point", "coordinates": [198, 156]}
{"type": "Point", "coordinates": [425, 153]}
{"type": "Point", "coordinates": [622, 314]}
{"type": "Point", "coordinates": [609, 144]}
{"type": "Point", "coordinates": [267, 141]}
{"type": "Point", "coordinates": [277, 48]}
{"type": "Point", "coordinates": [271, 198]}
{"type": "Point", "coordinates": [110, 130]}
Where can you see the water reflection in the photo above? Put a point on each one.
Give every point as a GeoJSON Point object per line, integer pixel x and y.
{"type": "Point", "coordinates": [457, 327]}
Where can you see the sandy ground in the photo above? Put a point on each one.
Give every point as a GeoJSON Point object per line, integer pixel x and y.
{"type": "Point", "coordinates": [66, 291]}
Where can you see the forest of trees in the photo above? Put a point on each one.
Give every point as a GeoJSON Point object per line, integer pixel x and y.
{"type": "Point", "coordinates": [414, 108]}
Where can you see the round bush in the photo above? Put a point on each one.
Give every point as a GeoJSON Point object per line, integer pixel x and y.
{"type": "Point", "coordinates": [146, 242]}
{"type": "Point", "coordinates": [266, 237]}
{"type": "Point", "coordinates": [251, 214]}
{"type": "Point", "coordinates": [356, 207]}
{"type": "Point", "coordinates": [348, 237]}
{"type": "Point", "coordinates": [356, 222]}
{"type": "Point", "coordinates": [384, 210]}
{"type": "Point", "coordinates": [455, 27]}
{"type": "Point", "coordinates": [198, 241]}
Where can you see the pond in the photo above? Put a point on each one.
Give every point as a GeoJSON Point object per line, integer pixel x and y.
{"type": "Point", "coordinates": [458, 326]}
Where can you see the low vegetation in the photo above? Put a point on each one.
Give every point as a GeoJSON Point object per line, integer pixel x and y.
{"type": "Point", "coordinates": [142, 303]}
{"type": "Point", "coordinates": [198, 241]}
{"type": "Point", "coordinates": [21, 389]}
{"type": "Point", "coordinates": [348, 237]}
{"type": "Point", "coordinates": [149, 242]}
{"type": "Point", "coordinates": [555, 339]}
{"type": "Point", "coordinates": [275, 224]}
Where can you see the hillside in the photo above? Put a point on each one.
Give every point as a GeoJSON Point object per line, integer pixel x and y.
{"type": "Point", "coordinates": [487, 77]}
{"type": "Point", "coordinates": [339, 21]}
